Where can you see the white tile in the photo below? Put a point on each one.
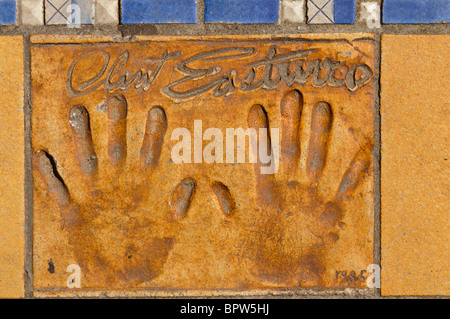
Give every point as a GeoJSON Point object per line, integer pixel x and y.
{"type": "Point", "coordinates": [320, 11]}
{"type": "Point", "coordinates": [312, 10]}
{"type": "Point", "coordinates": [85, 11]}
{"type": "Point", "coordinates": [107, 12]}
{"type": "Point", "coordinates": [370, 13]}
{"type": "Point", "coordinates": [56, 11]}
{"type": "Point", "coordinates": [320, 3]}
{"type": "Point", "coordinates": [293, 11]}
{"type": "Point", "coordinates": [32, 12]}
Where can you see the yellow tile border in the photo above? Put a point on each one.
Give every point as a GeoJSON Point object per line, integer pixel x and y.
{"type": "Point", "coordinates": [12, 174]}
{"type": "Point", "coordinates": [414, 180]}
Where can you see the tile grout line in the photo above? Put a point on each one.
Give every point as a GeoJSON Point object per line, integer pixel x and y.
{"type": "Point", "coordinates": [119, 12]}
{"type": "Point", "coordinates": [281, 12]}
{"type": "Point", "coordinates": [28, 182]}
{"type": "Point", "coordinates": [19, 12]}
{"type": "Point", "coordinates": [377, 159]}
{"type": "Point", "coordinates": [44, 13]}
{"type": "Point", "coordinates": [201, 12]}
{"type": "Point", "coordinates": [224, 29]}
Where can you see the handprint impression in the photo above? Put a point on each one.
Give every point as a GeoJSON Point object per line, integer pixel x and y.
{"type": "Point", "coordinates": [117, 248]}
{"type": "Point", "coordinates": [112, 246]}
{"type": "Point", "coordinates": [292, 213]}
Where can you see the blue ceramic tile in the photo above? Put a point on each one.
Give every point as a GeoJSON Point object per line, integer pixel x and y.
{"type": "Point", "coordinates": [159, 11]}
{"type": "Point", "coordinates": [416, 11]}
{"type": "Point", "coordinates": [344, 11]}
{"type": "Point", "coordinates": [239, 11]}
{"type": "Point", "coordinates": [7, 11]}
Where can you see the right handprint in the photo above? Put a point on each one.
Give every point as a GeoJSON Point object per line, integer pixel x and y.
{"type": "Point", "coordinates": [292, 212]}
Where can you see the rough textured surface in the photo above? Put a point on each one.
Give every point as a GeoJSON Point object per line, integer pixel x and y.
{"type": "Point", "coordinates": [415, 104]}
{"type": "Point", "coordinates": [109, 196]}
{"type": "Point", "coordinates": [11, 168]}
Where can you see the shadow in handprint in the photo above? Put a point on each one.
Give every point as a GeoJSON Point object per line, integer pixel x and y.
{"type": "Point", "coordinates": [137, 249]}
{"type": "Point", "coordinates": [291, 212]}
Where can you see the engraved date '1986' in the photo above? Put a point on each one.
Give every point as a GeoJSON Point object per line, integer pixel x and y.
{"type": "Point", "coordinates": [267, 73]}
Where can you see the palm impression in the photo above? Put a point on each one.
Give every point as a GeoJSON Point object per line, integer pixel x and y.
{"type": "Point", "coordinates": [291, 212]}
{"type": "Point", "coordinates": [105, 230]}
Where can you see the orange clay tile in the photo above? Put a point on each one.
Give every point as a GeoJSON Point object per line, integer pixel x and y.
{"type": "Point", "coordinates": [12, 211]}
{"type": "Point", "coordinates": [111, 197]}
{"type": "Point", "coordinates": [415, 165]}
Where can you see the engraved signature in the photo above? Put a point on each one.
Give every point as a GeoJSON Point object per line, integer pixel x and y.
{"type": "Point", "coordinates": [289, 68]}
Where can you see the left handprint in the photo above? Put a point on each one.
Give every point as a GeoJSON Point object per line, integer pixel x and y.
{"type": "Point", "coordinates": [116, 239]}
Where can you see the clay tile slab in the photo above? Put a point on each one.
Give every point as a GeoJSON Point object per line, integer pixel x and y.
{"type": "Point", "coordinates": [415, 170]}
{"type": "Point", "coordinates": [12, 175]}
{"type": "Point", "coordinates": [140, 190]}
